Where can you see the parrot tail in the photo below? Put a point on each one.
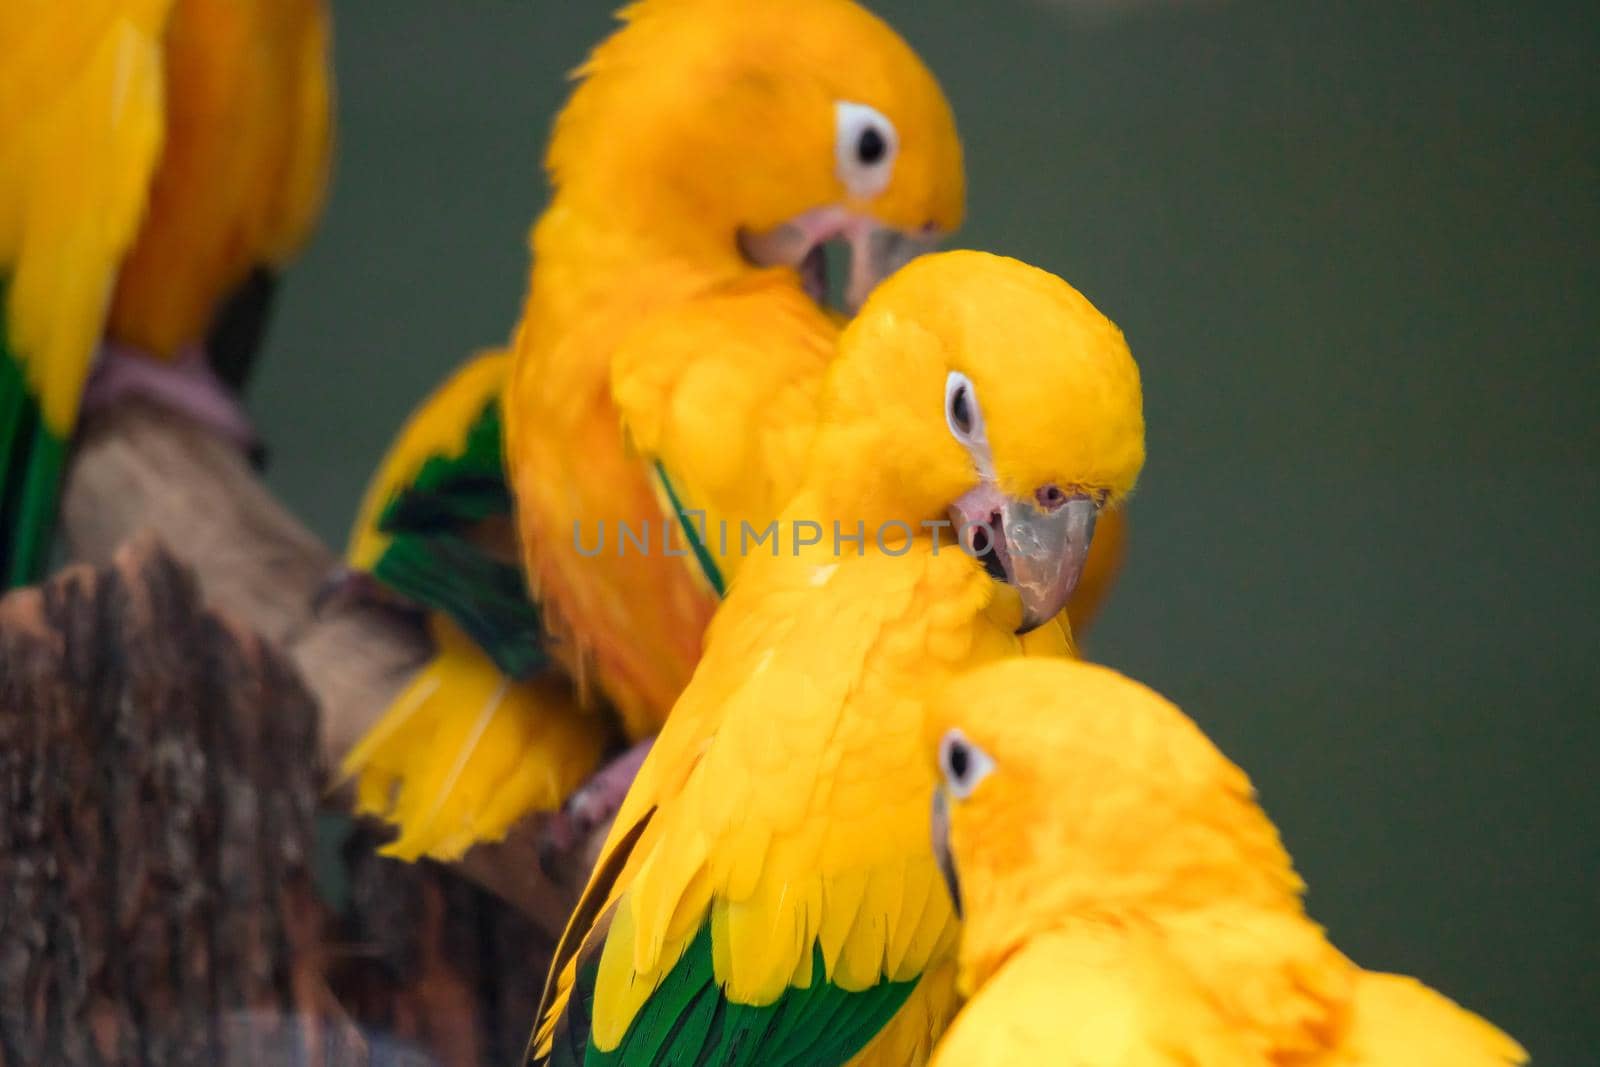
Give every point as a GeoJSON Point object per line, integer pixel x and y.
{"type": "Point", "coordinates": [31, 462]}
{"type": "Point", "coordinates": [1399, 1022]}
{"type": "Point", "coordinates": [465, 751]}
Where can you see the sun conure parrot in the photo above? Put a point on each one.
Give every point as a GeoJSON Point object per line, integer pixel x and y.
{"type": "Point", "coordinates": [709, 150]}
{"type": "Point", "coordinates": [485, 732]}
{"type": "Point", "coordinates": [1124, 899]}
{"type": "Point", "coordinates": [768, 893]}
{"type": "Point", "coordinates": [157, 157]}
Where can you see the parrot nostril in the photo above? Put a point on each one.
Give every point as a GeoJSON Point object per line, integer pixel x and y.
{"type": "Point", "coordinates": [988, 552]}
{"type": "Point", "coordinates": [1050, 497]}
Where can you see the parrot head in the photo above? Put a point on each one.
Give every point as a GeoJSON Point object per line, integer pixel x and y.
{"type": "Point", "coordinates": [754, 132]}
{"type": "Point", "coordinates": [978, 390]}
{"type": "Point", "coordinates": [1068, 792]}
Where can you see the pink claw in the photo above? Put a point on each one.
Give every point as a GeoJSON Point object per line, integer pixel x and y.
{"type": "Point", "coordinates": [185, 384]}
{"type": "Point", "coordinates": [594, 805]}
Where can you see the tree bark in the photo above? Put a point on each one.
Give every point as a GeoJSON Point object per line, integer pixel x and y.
{"type": "Point", "coordinates": [138, 468]}
{"type": "Point", "coordinates": [157, 786]}
{"type": "Point", "coordinates": [159, 775]}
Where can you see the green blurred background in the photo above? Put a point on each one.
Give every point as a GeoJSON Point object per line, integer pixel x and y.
{"type": "Point", "coordinates": [1353, 246]}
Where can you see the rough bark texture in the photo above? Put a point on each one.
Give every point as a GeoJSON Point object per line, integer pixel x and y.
{"type": "Point", "coordinates": [157, 785]}
{"type": "Point", "coordinates": [431, 958]}
{"type": "Point", "coordinates": [141, 469]}
{"type": "Point", "coordinates": [159, 774]}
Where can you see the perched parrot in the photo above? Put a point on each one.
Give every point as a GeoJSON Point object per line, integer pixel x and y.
{"type": "Point", "coordinates": [768, 893]}
{"type": "Point", "coordinates": [710, 151]}
{"type": "Point", "coordinates": [449, 764]}
{"type": "Point", "coordinates": [159, 159]}
{"type": "Point", "coordinates": [669, 359]}
{"type": "Point", "coordinates": [1124, 899]}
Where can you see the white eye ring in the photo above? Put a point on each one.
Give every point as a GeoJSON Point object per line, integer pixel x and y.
{"type": "Point", "coordinates": [864, 147]}
{"type": "Point", "coordinates": [963, 764]}
{"type": "Point", "coordinates": [961, 411]}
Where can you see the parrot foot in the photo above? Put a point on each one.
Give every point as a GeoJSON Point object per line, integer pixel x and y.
{"type": "Point", "coordinates": [589, 810]}
{"type": "Point", "coordinates": [185, 384]}
{"type": "Point", "coordinates": [347, 587]}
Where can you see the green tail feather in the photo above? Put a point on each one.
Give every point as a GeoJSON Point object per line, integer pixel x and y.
{"type": "Point", "coordinates": [688, 1020]}
{"type": "Point", "coordinates": [31, 463]}
{"type": "Point", "coordinates": [433, 561]}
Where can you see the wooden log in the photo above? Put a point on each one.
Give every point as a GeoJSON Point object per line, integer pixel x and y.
{"type": "Point", "coordinates": [158, 776]}
{"type": "Point", "coordinates": [140, 469]}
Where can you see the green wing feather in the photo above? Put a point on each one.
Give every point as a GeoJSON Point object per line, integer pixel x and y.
{"type": "Point", "coordinates": [691, 534]}
{"type": "Point", "coordinates": [31, 462]}
{"type": "Point", "coordinates": [433, 560]}
{"type": "Point", "coordinates": [688, 1020]}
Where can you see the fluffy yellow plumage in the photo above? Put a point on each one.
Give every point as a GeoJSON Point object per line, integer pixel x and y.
{"type": "Point", "coordinates": [1125, 901]}
{"type": "Point", "coordinates": [248, 118]}
{"type": "Point", "coordinates": [784, 807]}
{"type": "Point", "coordinates": [703, 140]}
{"type": "Point", "coordinates": [647, 311]}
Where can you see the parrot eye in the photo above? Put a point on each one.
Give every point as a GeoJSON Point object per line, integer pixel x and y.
{"type": "Point", "coordinates": [963, 764]}
{"type": "Point", "coordinates": [864, 148]}
{"type": "Point", "coordinates": [961, 408]}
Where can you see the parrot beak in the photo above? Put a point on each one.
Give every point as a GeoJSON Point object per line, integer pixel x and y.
{"type": "Point", "coordinates": [941, 847]}
{"type": "Point", "coordinates": [876, 250]}
{"type": "Point", "coordinates": [1037, 546]}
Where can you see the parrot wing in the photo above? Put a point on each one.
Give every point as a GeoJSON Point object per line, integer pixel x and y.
{"type": "Point", "coordinates": [781, 904]}
{"type": "Point", "coordinates": [720, 395]}
{"type": "Point", "coordinates": [81, 128]}
{"type": "Point", "coordinates": [430, 518]}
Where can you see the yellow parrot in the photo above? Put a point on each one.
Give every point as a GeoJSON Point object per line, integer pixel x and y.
{"type": "Point", "coordinates": [669, 358]}
{"type": "Point", "coordinates": [769, 893]}
{"type": "Point", "coordinates": [156, 158]}
{"type": "Point", "coordinates": [1125, 901]}
{"type": "Point", "coordinates": [709, 152]}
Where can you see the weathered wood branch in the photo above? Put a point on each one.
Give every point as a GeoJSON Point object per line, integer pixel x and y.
{"type": "Point", "coordinates": [159, 774]}
{"type": "Point", "coordinates": [157, 789]}
{"type": "Point", "coordinates": [140, 469]}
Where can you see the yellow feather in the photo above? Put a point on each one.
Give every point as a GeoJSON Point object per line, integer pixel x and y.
{"type": "Point", "coordinates": [242, 174]}
{"type": "Point", "coordinates": [644, 314]}
{"type": "Point", "coordinates": [82, 123]}
{"type": "Point", "coordinates": [789, 788]}
{"type": "Point", "coordinates": [465, 752]}
{"type": "Point", "coordinates": [1127, 902]}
